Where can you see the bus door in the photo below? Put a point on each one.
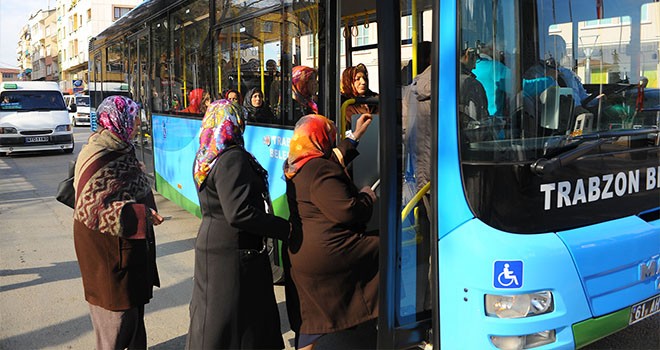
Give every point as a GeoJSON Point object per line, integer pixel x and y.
{"type": "Point", "coordinates": [393, 40]}
{"type": "Point", "coordinates": [138, 52]}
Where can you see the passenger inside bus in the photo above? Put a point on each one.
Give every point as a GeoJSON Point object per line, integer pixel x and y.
{"type": "Point", "coordinates": [304, 86]}
{"type": "Point", "coordinates": [355, 83]}
{"type": "Point", "coordinates": [496, 79]}
{"type": "Point", "coordinates": [195, 97]}
{"type": "Point", "coordinates": [257, 110]}
{"type": "Point", "coordinates": [272, 86]}
{"type": "Point", "coordinates": [329, 253]}
{"type": "Point", "coordinates": [233, 96]}
{"type": "Point", "coordinates": [423, 61]}
{"type": "Point", "coordinates": [552, 72]}
{"type": "Point", "coordinates": [473, 104]}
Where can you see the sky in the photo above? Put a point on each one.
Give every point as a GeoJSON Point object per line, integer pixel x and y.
{"type": "Point", "coordinates": [14, 15]}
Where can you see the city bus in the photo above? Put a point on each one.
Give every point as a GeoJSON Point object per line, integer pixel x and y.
{"type": "Point", "coordinates": [538, 224]}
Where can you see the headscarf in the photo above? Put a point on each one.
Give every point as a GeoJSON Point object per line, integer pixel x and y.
{"type": "Point", "coordinates": [313, 137]}
{"type": "Point", "coordinates": [222, 128]}
{"type": "Point", "coordinates": [240, 97]}
{"type": "Point", "coordinates": [300, 76]}
{"type": "Point", "coordinates": [259, 114]}
{"type": "Point", "coordinates": [348, 77]}
{"type": "Point", "coordinates": [194, 101]}
{"type": "Point", "coordinates": [117, 114]}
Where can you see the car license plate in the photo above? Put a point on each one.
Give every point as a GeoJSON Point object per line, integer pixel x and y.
{"type": "Point", "coordinates": [36, 139]}
{"type": "Point", "coordinates": [646, 308]}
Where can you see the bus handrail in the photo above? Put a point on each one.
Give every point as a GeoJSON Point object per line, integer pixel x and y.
{"type": "Point", "coordinates": [371, 100]}
{"type": "Point", "coordinates": [342, 121]}
{"type": "Point", "coordinates": [413, 202]}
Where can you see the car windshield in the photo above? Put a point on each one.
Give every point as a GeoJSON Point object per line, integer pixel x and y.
{"type": "Point", "coordinates": [23, 101]}
{"type": "Point", "coordinates": [82, 101]}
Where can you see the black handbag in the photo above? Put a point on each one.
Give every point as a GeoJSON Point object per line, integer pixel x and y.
{"type": "Point", "coordinates": [65, 192]}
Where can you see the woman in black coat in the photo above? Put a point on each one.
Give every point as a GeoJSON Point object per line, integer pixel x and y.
{"type": "Point", "coordinates": [233, 303]}
{"type": "Point", "coordinates": [257, 110]}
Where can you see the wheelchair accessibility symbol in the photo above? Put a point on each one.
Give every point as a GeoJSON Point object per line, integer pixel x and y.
{"type": "Point", "coordinates": [508, 274]}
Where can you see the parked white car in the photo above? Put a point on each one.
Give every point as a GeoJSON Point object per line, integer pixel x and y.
{"type": "Point", "coordinates": [33, 117]}
{"type": "Point", "coordinates": [80, 114]}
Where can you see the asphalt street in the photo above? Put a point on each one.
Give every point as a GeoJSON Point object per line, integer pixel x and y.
{"type": "Point", "coordinates": [41, 298]}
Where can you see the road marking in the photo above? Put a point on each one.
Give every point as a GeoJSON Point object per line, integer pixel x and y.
{"type": "Point", "coordinates": [26, 199]}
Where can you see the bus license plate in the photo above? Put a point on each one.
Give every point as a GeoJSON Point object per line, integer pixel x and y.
{"type": "Point", "coordinates": [36, 139]}
{"type": "Point", "coordinates": [646, 308]}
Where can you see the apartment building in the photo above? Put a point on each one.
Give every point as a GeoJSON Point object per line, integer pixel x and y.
{"type": "Point", "coordinates": [77, 22]}
{"type": "Point", "coordinates": [43, 45]}
{"type": "Point", "coordinates": [23, 54]}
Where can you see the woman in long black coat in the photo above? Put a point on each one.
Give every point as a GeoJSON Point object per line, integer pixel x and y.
{"type": "Point", "coordinates": [233, 303]}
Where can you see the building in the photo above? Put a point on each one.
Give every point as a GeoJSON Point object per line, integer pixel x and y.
{"type": "Point", "coordinates": [23, 54]}
{"type": "Point", "coordinates": [77, 22]}
{"type": "Point", "coordinates": [8, 73]}
{"type": "Point", "coordinates": [43, 46]}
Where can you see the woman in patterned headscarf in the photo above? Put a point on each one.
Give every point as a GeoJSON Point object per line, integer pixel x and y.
{"type": "Point", "coordinates": [113, 228]}
{"type": "Point", "coordinates": [329, 253]}
{"type": "Point", "coordinates": [233, 303]}
{"type": "Point", "coordinates": [304, 86]}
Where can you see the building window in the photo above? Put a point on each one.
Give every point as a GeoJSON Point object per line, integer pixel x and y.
{"type": "Point", "coordinates": [48, 50]}
{"type": "Point", "coordinates": [89, 15]}
{"type": "Point", "coordinates": [120, 11]}
{"type": "Point", "coordinates": [362, 37]}
{"type": "Point", "coordinates": [49, 69]}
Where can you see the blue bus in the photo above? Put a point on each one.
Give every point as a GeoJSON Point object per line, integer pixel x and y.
{"type": "Point", "coordinates": [519, 199]}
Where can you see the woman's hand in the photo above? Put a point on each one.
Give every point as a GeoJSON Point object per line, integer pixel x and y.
{"type": "Point", "coordinates": [156, 219]}
{"type": "Point", "coordinates": [369, 192]}
{"type": "Point", "coordinates": [361, 125]}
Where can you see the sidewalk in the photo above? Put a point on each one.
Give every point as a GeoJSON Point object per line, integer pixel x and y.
{"type": "Point", "coordinates": [186, 224]}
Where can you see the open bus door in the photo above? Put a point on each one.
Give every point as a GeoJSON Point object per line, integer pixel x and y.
{"type": "Point", "coordinates": [408, 248]}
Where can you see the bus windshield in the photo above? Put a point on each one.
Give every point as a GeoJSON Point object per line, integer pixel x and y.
{"type": "Point", "coordinates": [560, 100]}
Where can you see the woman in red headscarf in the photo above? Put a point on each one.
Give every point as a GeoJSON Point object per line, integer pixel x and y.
{"type": "Point", "coordinates": [304, 86]}
{"type": "Point", "coordinates": [195, 97]}
{"type": "Point", "coordinates": [329, 254]}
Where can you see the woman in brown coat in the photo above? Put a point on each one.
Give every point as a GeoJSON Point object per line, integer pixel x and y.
{"type": "Point", "coordinates": [333, 265]}
{"type": "Point", "coordinates": [355, 83]}
{"type": "Point", "coordinates": [112, 228]}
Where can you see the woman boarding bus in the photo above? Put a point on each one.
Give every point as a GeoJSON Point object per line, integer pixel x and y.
{"type": "Point", "coordinates": [525, 197]}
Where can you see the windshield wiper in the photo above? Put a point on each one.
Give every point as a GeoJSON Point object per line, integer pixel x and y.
{"type": "Point", "coordinates": [583, 144]}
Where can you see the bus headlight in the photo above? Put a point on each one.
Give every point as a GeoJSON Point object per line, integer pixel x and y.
{"type": "Point", "coordinates": [528, 341]}
{"type": "Point", "coordinates": [66, 127]}
{"type": "Point", "coordinates": [519, 305]}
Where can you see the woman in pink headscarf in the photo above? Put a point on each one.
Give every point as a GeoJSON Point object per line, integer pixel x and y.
{"type": "Point", "coordinates": [233, 304]}
{"type": "Point", "coordinates": [113, 229]}
{"type": "Point", "coordinates": [304, 86]}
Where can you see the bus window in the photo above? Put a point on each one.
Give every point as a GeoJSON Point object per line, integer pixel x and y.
{"type": "Point", "coordinates": [301, 49]}
{"type": "Point", "coordinates": [192, 76]}
{"type": "Point", "coordinates": [247, 56]}
{"type": "Point", "coordinates": [161, 91]}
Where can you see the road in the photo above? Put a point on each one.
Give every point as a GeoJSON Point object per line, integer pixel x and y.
{"type": "Point", "coordinates": [41, 298]}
